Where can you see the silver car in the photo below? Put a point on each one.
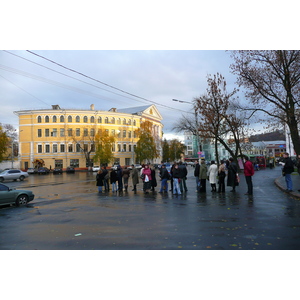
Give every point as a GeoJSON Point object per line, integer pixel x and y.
{"type": "Point", "coordinates": [13, 196]}
{"type": "Point", "coordinates": [13, 175]}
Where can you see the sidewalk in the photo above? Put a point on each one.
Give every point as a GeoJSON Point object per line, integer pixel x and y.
{"type": "Point", "coordinates": [280, 182]}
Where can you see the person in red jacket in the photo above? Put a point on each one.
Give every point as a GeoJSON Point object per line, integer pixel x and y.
{"type": "Point", "coordinates": [249, 172]}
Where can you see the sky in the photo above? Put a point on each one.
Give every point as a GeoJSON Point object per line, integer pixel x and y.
{"type": "Point", "coordinates": [28, 81]}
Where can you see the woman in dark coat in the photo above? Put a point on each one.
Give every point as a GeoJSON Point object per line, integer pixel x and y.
{"type": "Point", "coordinates": [100, 180]}
{"type": "Point", "coordinates": [113, 180]}
{"type": "Point", "coordinates": [153, 176]}
{"type": "Point", "coordinates": [232, 172]}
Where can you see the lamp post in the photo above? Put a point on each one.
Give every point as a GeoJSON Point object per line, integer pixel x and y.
{"type": "Point", "coordinates": [197, 124]}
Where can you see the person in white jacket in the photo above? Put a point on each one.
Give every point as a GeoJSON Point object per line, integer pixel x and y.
{"type": "Point", "coordinates": [212, 175]}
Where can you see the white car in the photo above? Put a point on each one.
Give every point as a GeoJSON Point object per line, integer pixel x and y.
{"type": "Point", "coordinates": [13, 175]}
{"type": "Point", "coordinates": [96, 168]}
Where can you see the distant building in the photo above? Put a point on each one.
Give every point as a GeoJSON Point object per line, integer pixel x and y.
{"type": "Point", "coordinates": [57, 136]}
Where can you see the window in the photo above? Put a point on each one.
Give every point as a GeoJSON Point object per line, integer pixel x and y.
{"type": "Point", "coordinates": [77, 119]}
{"type": "Point", "coordinates": [93, 148]}
{"type": "Point", "coordinates": [129, 134]}
{"type": "Point", "coordinates": [107, 131]}
{"type": "Point", "coordinates": [62, 147]}
{"type": "Point", "coordinates": [99, 120]}
{"type": "Point", "coordinates": [124, 133]}
{"type": "Point", "coordinates": [124, 147]}
{"type": "Point", "coordinates": [130, 148]}
{"type": "Point", "coordinates": [113, 132]}
{"type": "Point", "coordinates": [39, 119]}
{"type": "Point", "coordinates": [54, 119]}
{"type": "Point", "coordinates": [113, 148]}
{"type": "Point", "coordinates": [40, 148]}
{"type": "Point", "coordinates": [119, 147]}
{"type": "Point", "coordinates": [70, 132]}
{"type": "Point", "coordinates": [134, 122]}
{"type": "Point", "coordinates": [85, 147]}
{"type": "Point", "coordinates": [47, 119]}
{"type": "Point", "coordinates": [70, 120]}
{"type": "Point", "coordinates": [70, 148]}
{"type": "Point", "coordinates": [92, 119]}
{"type": "Point", "coordinates": [85, 119]}
{"type": "Point", "coordinates": [134, 134]}
{"type": "Point", "coordinates": [54, 132]}
{"type": "Point", "coordinates": [54, 148]}
{"type": "Point", "coordinates": [47, 148]}
{"type": "Point", "coordinates": [124, 121]}
{"type": "Point", "coordinates": [77, 131]}
{"type": "Point", "coordinates": [92, 133]}
{"type": "Point", "coordinates": [113, 120]}
{"type": "Point", "coordinates": [119, 121]}
{"type": "Point", "coordinates": [78, 149]}
{"type": "Point", "coordinates": [58, 163]}
{"type": "Point", "coordinates": [62, 132]}
{"type": "Point", "coordinates": [106, 120]}
{"type": "Point", "coordinates": [62, 119]}
{"type": "Point", "coordinates": [39, 132]}
{"type": "Point", "coordinates": [85, 132]}
{"type": "Point", "coordinates": [129, 122]}
{"type": "Point", "coordinates": [74, 163]}
{"type": "Point", "coordinates": [47, 132]}
{"type": "Point", "coordinates": [127, 161]}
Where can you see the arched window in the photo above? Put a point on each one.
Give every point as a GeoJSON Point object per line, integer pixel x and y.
{"type": "Point", "coordinates": [47, 119]}
{"type": "Point", "coordinates": [119, 121]}
{"type": "Point", "coordinates": [106, 120]}
{"type": "Point", "coordinates": [113, 120]}
{"type": "Point", "coordinates": [39, 119]}
{"type": "Point", "coordinates": [54, 119]}
{"type": "Point", "coordinates": [62, 119]}
{"type": "Point", "coordinates": [129, 122]}
{"type": "Point", "coordinates": [124, 121]}
{"type": "Point", "coordinates": [99, 120]}
{"type": "Point", "coordinates": [92, 119]}
{"type": "Point", "coordinates": [77, 119]}
{"type": "Point", "coordinates": [134, 122]}
{"type": "Point", "coordinates": [70, 119]}
{"type": "Point", "coordinates": [85, 119]}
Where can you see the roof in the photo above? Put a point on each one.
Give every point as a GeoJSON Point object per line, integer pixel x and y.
{"type": "Point", "coordinates": [133, 110]}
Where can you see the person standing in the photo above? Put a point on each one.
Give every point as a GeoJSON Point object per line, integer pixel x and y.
{"type": "Point", "coordinates": [105, 179]}
{"type": "Point", "coordinates": [212, 175]}
{"type": "Point", "coordinates": [164, 176]}
{"type": "Point", "coordinates": [146, 176]}
{"type": "Point", "coordinates": [153, 178]}
{"type": "Point", "coordinates": [113, 180]}
{"type": "Point", "coordinates": [99, 180]}
{"type": "Point", "coordinates": [126, 174]}
{"type": "Point", "coordinates": [183, 173]}
{"type": "Point", "coordinates": [202, 176]}
{"type": "Point", "coordinates": [196, 174]}
{"type": "Point", "coordinates": [134, 177]}
{"type": "Point", "coordinates": [232, 174]}
{"type": "Point", "coordinates": [176, 180]}
{"type": "Point", "coordinates": [222, 175]}
{"type": "Point", "coordinates": [287, 170]}
{"type": "Point", "coordinates": [249, 172]}
{"type": "Point", "coordinates": [119, 178]}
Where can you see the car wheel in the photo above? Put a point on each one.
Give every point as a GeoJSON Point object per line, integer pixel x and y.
{"type": "Point", "coordinates": [1, 179]}
{"type": "Point", "coordinates": [22, 178]}
{"type": "Point", "coordinates": [22, 200]}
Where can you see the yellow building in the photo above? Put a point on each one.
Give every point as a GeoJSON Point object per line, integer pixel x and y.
{"type": "Point", "coordinates": [61, 137]}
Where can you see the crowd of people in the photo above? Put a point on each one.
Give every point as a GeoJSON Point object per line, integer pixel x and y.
{"type": "Point", "coordinates": [176, 176]}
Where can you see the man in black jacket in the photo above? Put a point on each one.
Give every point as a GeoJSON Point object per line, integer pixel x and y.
{"type": "Point", "coordinates": [183, 174]}
{"type": "Point", "coordinates": [287, 170]}
{"type": "Point", "coordinates": [196, 174]}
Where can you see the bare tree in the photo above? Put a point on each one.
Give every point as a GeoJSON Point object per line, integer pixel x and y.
{"type": "Point", "coordinates": [272, 82]}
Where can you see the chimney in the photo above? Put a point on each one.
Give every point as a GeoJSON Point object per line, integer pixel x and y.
{"type": "Point", "coordinates": [92, 107]}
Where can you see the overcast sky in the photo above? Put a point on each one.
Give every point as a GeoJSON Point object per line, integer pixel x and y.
{"type": "Point", "coordinates": [28, 81]}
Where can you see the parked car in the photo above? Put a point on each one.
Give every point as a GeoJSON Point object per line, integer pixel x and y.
{"type": "Point", "coordinates": [43, 171]}
{"type": "Point", "coordinates": [57, 171]}
{"type": "Point", "coordinates": [13, 196]}
{"type": "Point", "coordinates": [96, 168]}
{"type": "Point", "coordinates": [13, 175]}
{"type": "Point", "coordinates": [31, 171]}
{"type": "Point", "coordinates": [70, 170]}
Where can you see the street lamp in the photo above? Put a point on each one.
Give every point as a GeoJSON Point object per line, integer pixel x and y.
{"type": "Point", "coordinates": [197, 124]}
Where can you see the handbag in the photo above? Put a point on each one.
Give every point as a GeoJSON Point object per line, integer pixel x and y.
{"type": "Point", "coordinates": [142, 176]}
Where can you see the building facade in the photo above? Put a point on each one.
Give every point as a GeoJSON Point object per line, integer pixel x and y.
{"type": "Point", "coordinates": [60, 137]}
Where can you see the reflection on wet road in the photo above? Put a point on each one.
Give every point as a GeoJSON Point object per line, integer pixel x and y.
{"type": "Point", "coordinates": [68, 213]}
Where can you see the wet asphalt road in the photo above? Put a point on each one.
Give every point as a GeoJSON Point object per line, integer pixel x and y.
{"type": "Point", "coordinates": [68, 213]}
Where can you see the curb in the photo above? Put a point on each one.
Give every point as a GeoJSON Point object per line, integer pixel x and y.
{"type": "Point", "coordinates": [283, 188]}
